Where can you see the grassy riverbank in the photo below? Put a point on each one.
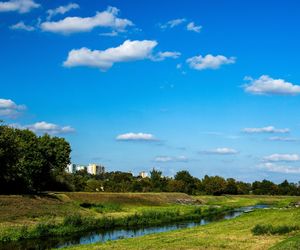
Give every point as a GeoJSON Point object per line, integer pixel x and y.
{"type": "Point", "coordinates": [69, 213]}
{"type": "Point", "coordinates": [229, 234]}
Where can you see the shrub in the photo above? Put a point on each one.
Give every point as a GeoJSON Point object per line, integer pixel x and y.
{"type": "Point", "coordinates": [269, 229]}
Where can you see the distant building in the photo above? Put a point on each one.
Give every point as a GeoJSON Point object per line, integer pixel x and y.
{"type": "Point", "coordinates": [73, 168]}
{"type": "Point", "coordinates": [95, 169]}
{"type": "Point", "coordinates": [143, 174]}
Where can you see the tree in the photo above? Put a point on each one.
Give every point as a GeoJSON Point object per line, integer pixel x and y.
{"type": "Point", "coordinates": [231, 186]}
{"type": "Point", "coordinates": [29, 163]}
{"type": "Point", "coordinates": [155, 178]}
{"type": "Point", "coordinates": [189, 182]}
{"type": "Point", "coordinates": [214, 185]}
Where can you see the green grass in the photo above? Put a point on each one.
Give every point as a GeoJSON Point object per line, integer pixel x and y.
{"type": "Point", "coordinates": [230, 234]}
{"type": "Point", "coordinates": [292, 243]}
{"type": "Point", "coordinates": [28, 216]}
{"type": "Point", "coordinates": [76, 223]}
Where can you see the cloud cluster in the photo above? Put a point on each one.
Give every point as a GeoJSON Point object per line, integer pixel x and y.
{"type": "Point", "coordinates": [162, 159]}
{"type": "Point", "coordinates": [136, 137]}
{"type": "Point", "coordinates": [209, 61]}
{"type": "Point", "coordinates": [272, 163]}
{"type": "Point", "coordinates": [268, 129]}
{"type": "Point", "coordinates": [62, 10]}
{"type": "Point", "coordinates": [191, 26]}
{"type": "Point", "coordinates": [10, 109]}
{"type": "Point", "coordinates": [266, 85]}
{"type": "Point", "coordinates": [282, 158]}
{"type": "Point", "coordinates": [45, 127]}
{"type": "Point", "coordinates": [21, 6]}
{"type": "Point", "coordinates": [280, 168]}
{"type": "Point", "coordinates": [105, 59]}
{"type": "Point", "coordinates": [106, 19]}
{"type": "Point", "coordinates": [221, 151]}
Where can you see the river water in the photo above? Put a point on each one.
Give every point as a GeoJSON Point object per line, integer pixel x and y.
{"type": "Point", "coordinates": [105, 235]}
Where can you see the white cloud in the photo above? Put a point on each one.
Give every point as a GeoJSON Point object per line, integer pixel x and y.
{"type": "Point", "coordinates": [9, 108]}
{"type": "Point", "coordinates": [268, 129]}
{"type": "Point", "coordinates": [160, 56]}
{"type": "Point", "coordinates": [45, 127]}
{"type": "Point", "coordinates": [209, 61]}
{"type": "Point", "coordinates": [282, 157]}
{"type": "Point", "coordinates": [221, 151]}
{"type": "Point", "coordinates": [281, 169]}
{"type": "Point", "coordinates": [22, 26]}
{"type": "Point", "coordinates": [136, 137]}
{"type": "Point", "coordinates": [61, 10]}
{"type": "Point", "coordinates": [161, 159]}
{"type": "Point", "coordinates": [21, 6]}
{"type": "Point", "coordinates": [106, 19]}
{"type": "Point", "coordinates": [172, 23]}
{"type": "Point", "coordinates": [284, 139]}
{"type": "Point", "coordinates": [192, 27]}
{"type": "Point", "coordinates": [265, 85]}
{"type": "Point", "coordinates": [105, 59]}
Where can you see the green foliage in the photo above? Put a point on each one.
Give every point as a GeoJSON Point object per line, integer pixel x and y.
{"type": "Point", "coordinates": [269, 229]}
{"type": "Point", "coordinates": [30, 163]}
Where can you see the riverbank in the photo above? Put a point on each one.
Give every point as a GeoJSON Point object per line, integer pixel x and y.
{"type": "Point", "coordinates": [227, 234]}
{"type": "Point", "coordinates": [59, 214]}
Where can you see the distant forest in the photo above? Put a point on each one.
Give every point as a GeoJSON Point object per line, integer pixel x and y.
{"type": "Point", "coordinates": [33, 164]}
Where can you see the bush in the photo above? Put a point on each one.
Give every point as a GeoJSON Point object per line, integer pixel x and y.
{"type": "Point", "coordinates": [269, 229]}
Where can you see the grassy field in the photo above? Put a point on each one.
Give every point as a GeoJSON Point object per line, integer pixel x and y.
{"type": "Point", "coordinates": [230, 234]}
{"type": "Point", "coordinates": [17, 211]}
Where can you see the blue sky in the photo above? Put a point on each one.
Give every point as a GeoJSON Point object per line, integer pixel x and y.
{"type": "Point", "coordinates": [208, 86]}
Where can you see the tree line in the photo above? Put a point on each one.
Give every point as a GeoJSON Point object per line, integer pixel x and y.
{"type": "Point", "coordinates": [183, 182]}
{"type": "Point", "coordinates": [31, 164]}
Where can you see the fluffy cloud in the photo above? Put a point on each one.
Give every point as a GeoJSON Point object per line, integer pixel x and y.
{"type": "Point", "coordinates": [22, 26]}
{"type": "Point", "coordinates": [281, 169]}
{"type": "Point", "coordinates": [21, 6]}
{"type": "Point", "coordinates": [45, 127]}
{"type": "Point", "coordinates": [282, 157]}
{"type": "Point", "coordinates": [162, 159]}
{"type": "Point", "coordinates": [193, 27]}
{"type": "Point", "coordinates": [61, 10]}
{"type": "Point", "coordinates": [265, 85]}
{"type": "Point", "coordinates": [107, 19]}
{"type": "Point", "coordinates": [209, 61]}
{"type": "Point", "coordinates": [172, 23]}
{"type": "Point", "coordinates": [105, 59]}
{"type": "Point", "coordinates": [268, 129]}
{"type": "Point", "coordinates": [136, 137]}
{"type": "Point", "coordinates": [221, 151]}
{"type": "Point", "coordinates": [9, 108]}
